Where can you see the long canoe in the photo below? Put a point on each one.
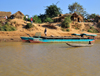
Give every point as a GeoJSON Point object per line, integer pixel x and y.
{"type": "Point", "coordinates": [54, 39]}
{"type": "Point", "coordinates": [79, 45]}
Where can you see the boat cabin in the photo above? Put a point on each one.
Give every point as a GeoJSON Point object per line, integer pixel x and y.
{"type": "Point", "coordinates": [84, 34]}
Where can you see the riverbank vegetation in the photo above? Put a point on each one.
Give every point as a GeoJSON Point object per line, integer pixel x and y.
{"type": "Point", "coordinates": [7, 27]}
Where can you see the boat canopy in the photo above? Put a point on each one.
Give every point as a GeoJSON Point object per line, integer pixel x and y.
{"type": "Point", "coordinates": [84, 34]}
{"type": "Point", "coordinates": [76, 34]}
{"type": "Point", "coordinates": [89, 34]}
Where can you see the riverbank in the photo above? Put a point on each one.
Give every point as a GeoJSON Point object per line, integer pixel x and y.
{"type": "Point", "coordinates": [15, 36]}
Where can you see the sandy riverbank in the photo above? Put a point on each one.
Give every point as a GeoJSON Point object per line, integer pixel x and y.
{"type": "Point", "coordinates": [14, 36]}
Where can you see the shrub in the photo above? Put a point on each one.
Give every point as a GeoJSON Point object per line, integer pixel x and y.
{"type": "Point", "coordinates": [13, 28]}
{"type": "Point", "coordinates": [79, 25]}
{"type": "Point", "coordinates": [48, 20]}
{"type": "Point", "coordinates": [7, 28]}
{"type": "Point", "coordinates": [36, 19]}
{"type": "Point", "coordinates": [95, 31]}
{"type": "Point", "coordinates": [51, 26]}
{"type": "Point", "coordinates": [89, 30]}
{"type": "Point", "coordinates": [91, 27]}
{"type": "Point", "coordinates": [7, 23]}
{"type": "Point", "coordinates": [0, 24]}
{"type": "Point", "coordinates": [63, 29]}
{"type": "Point", "coordinates": [14, 22]}
{"type": "Point", "coordinates": [2, 29]}
{"type": "Point", "coordinates": [66, 22]}
{"type": "Point", "coordinates": [29, 25]}
{"type": "Point", "coordinates": [68, 30]}
{"type": "Point", "coordinates": [76, 28]}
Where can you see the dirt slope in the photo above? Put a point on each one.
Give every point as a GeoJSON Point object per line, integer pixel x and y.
{"type": "Point", "coordinates": [21, 31]}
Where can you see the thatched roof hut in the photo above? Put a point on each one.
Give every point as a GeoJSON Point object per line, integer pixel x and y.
{"type": "Point", "coordinates": [74, 17]}
{"type": "Point", "coordinates": [80, 18]}
{"type": "Point", "coordinates": [77, 18]}
{"type": "Point", "coordinates": [18, 15]}
{"type": "Point", "coordinates": [2, 14]}
{"type": "Point", "coordinates": [60, 17]}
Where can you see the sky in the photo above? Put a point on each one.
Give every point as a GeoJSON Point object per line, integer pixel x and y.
{"type": "Point", "coordinates": [37, 7]}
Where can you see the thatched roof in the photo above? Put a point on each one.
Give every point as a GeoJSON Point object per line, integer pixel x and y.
{"type": "Point", "coordinates": [56, 18]}
{"type": "Point", "coordinates": [5, 13]}
{"type": "Point", "coordinates": [61, 16]}
{"type": "Point", "coordinates": [75, 15]}
{"type": "Point", "coordinates": [18, 14]}
{"type": "Point", "coordinates": [80, 17]}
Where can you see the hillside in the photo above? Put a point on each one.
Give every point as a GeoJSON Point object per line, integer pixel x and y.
{"type": "Point", "coordinates": [21, 31]}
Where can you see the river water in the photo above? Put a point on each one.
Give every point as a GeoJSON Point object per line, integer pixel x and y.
{"type": "Point", "coordinates": [48, 59]}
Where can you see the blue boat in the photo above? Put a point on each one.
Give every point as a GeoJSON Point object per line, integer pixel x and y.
{"type": "Point", "coordinates": [45, 40]}
{"type": "Point", "coordinates": [25, 39]}
{"type": "Point", "coordinates": [40, 39]}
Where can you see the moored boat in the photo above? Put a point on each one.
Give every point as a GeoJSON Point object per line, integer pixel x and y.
{"type": "Point", "coordinates": [79, 45]}
{"type": "Point", "coordinates": [45, 40]}
{"type": "Point", "coordinates": [25, 39]}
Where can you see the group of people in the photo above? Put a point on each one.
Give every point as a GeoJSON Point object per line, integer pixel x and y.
{"type": "Point", "coordinates": [27, 18]}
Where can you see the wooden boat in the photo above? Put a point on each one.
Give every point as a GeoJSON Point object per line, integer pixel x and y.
{"type": "Point", "coordinates": [25, 39]}
{"type": "Point", "coordinates": [79, 45]}
{"type": "Point", "coordinates": [45, 40]}
{"type": "Point", "coordinates": [55, 39]}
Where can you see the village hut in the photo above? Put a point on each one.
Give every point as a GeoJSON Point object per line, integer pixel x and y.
{"type": "Point", "coordinates": [74, 17]}
{"type": "Point", "coordinates": [18, 15]}
{"type": "Point", "coordinates": [80, 18]}
{"type": "Point", "coordinates": [97, 19]}
{"type": "Point", "coordinates": [77, 18]}
{"type": "Point", "coordinates": [3, 14]}
{"type": "Point", "coordinates": [60, 17]}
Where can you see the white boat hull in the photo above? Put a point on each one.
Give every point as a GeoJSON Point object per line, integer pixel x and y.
{"type": "Point", "coordinates": [79, 45]}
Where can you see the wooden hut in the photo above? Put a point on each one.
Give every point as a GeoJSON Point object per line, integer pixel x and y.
{"type": "Point", "coordinates": [74, 17]}
{"type": "Point", "coordinates": [77, 18]}
{"type": "Point", "coordinates": [60, 17]}
{"type": "Point", "coordinates": [18, 15]}
{"type": "Point", "coordinates": [3, 14]}
{"type": "Point", "coordinates": [80, 18]}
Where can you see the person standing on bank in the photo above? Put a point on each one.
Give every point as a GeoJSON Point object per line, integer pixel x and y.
{"type": "Point", "coordinates": [31, 20]}
{"type": "Point", "coordinates": [45, 32]}
{"type": "Point", "coordinates": [90, 42]}
{"type": "Point", "coordinates": [26, 17]}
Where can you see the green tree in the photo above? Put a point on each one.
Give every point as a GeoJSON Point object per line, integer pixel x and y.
{"type": "Point", "coordinates": [48, 20]}
{"type": "Point", "coordinates": [92, 16]}
{"type": "Point", "coordinates": [29, 25]}
{"type": "Point", "coordinates": [66, 22]}
{"type": "Point", "coordinates": [75, 7]}
{"type": "Point", "coordinates": [52, 11]}
{"type": "Point", "coordinates": [42, 17]}
{"type": "Point", "coordinates": [36, 19]}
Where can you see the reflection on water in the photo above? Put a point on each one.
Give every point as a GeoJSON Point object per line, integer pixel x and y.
{"type": "Point", "coordinates": [49, 59]}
